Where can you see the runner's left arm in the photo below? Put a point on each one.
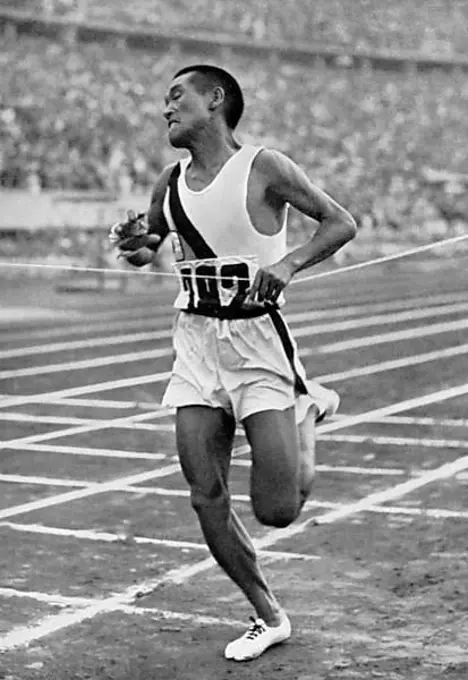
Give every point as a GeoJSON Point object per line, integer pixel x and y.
{"type": "Point", "coordinates": [286, 182]}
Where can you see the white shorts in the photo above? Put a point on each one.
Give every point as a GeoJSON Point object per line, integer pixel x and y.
{"type": "Point", "coordinates": [239, 365]}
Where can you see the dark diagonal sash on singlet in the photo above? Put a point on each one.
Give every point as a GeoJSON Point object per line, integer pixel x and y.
{"type": "Point", "coordinates": [285, 338]}
{"type": "Point", "coordinates": [184, 226]}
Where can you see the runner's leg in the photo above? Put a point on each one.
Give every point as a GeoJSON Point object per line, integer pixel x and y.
{"type": "Point", "coordinates": [204, 442]}
{"type": "Point", "coordinates": [306, 442]}
{"type": "Point", "coordinates": [283, 463]}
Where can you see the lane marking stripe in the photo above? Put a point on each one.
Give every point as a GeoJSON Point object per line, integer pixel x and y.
{"type": "Point", "coordinates": [380, 339]}
{"type": "Point", "coordinates": [92, 490]}
{"type": "Point", "coordinates": [329, 348]}
{"type": "Point", "coordinates": [26, 634]}
{"type": "Point", "coordinates": [128, 480]}
{"type": "Point", "coordinates": [108, 537]}
{"type": "Point", "coordinates": [105, 386]}
{"type": "Point", "coordinates": [394, 364]}
{"type": "Point", "coordinates": [85, 451]}
{"type": "Point", "coordinates": [66, 420]}
{"type": "Point", "coordinates": [166, 313]}
{"type": "Point", "coordinates": [354, 323]}
{"type": "Point", "coordinates": [159, 377]}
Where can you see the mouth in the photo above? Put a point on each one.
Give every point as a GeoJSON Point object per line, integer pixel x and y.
{"type": "Point", "coordinates": [172, 124]}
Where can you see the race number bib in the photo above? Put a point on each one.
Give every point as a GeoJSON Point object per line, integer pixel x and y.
{"type": "Point", "coordinates": [221, 282]}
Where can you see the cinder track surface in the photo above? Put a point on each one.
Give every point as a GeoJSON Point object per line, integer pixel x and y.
{"type": "Point", "coordinates": [103, 570]}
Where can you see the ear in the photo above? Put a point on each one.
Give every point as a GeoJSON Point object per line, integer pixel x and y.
{"type": "Point", "coordinates": [217, 98]}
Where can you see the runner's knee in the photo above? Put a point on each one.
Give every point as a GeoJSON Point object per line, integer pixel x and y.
{"type": "Point", "coordinates": [276, 514]}
{"type": "Point", "coordinates": [209, 498]}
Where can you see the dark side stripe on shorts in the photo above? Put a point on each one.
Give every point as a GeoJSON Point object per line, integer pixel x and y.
{"type": "Point", "coordinates": [184, 226]}
{"type": "Point", "coordinates": [285, 338]}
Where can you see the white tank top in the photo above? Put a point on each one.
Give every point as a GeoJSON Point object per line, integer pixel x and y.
{"type": "Point", "coordinates": [219, 214]}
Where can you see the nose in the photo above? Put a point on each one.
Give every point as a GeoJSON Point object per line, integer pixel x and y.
{"type": "Point", "coordinates": [168, 111]}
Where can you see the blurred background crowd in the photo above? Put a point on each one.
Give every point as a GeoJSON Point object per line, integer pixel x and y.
{"type": "Point", "coordinates": [88, 116]}
{"type": "Point", "coordinates": [426, 26]}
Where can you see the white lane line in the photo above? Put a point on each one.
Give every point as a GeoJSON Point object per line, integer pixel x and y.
{"type": "Point", "coordinates": [78, 429]}
{"type": "Point", "coordinates": [25, 635]}
{"type": "Point", "coordinates": [81, 364]}
{"type": "Point", "coordinates": [165, 315]}
{"type": "Point", "coordinates": [52, 624]}
{"type": "Point", "coordinates": [136, 455]}
{"type": "Point", "coordinates": [329, 348]}
{"type": "Point", "coordinates": [413, 420]}
{"type": "Point", "coordinates": [92, 490]}
{"type": "Point", "coordinates": [54, 600]}
{"type": "Point", "coordinates": [85, 451]}
{"type": "Point", "coordinates": [77, 483]}
{"type": "Point", "coordinates": [40, 398]}
{"type": "Point", "coordinates": [94, 403]}
{"type": "Point", "coordinates": [398, 441]}
{"type": "Point", "coordinates": [140, 355]}
{"type": "Point", "coordinates": [380, 320]}
{"type": "Point", "coordinates": [342, 469]}
{"type": "Point", "coordinates": [67, 420]}
{"type": "Point", "coordinates": [160, 377]}
{"type": "Point", "coordinates": [148, 336]}
{"type": "Point", "coordinates": [379, 367]}
{"type": "Point", "coordinates": [103, 341]}
{"type": "Point", "coordinates": [77, 603]}
{"type": "Point", "coordinates": [107, 404]}
{"type": "Point", "coordinates": [136, 356]}
{"type": "Point", "coordinates": [383, 338]}
{"type": "Point", "coordinates": [310, 505]}
{"type": "Point", "coordinates": [387, 495]}
{"type": "Point", "coordinates": [394, 364]}
{"type": "Point", "coordinates": [43, 481]}
{"type": "Point", "coordinates": [391, 409]}
{"type": "Point", "coordinates": [367, 416]}
{"type": "Point", "coordinates": [379, 307]}
{"type": "Point", "coordinates": [161, 320]}
{"type": "Point", "coordinates": [108, 537]}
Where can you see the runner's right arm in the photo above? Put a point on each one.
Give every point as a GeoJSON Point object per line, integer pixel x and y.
{"type": "Point", "coordinates": [140, 250]}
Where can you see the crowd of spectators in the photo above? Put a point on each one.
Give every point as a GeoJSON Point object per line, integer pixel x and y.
{"type": "Point", "coordinates": [89, 117]}
{"type": "Point", "coordinates": [428, 27]}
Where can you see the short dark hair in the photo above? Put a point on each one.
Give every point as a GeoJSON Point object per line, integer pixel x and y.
{"type": "Point", "coordinates": [216, 76]}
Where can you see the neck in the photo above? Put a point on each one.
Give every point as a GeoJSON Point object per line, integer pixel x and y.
{"type": "Point", "coordinates": [212, 149]}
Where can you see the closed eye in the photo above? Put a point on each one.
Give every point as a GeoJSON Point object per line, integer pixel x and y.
{"type": "Point", "coordinates": [174, 93]}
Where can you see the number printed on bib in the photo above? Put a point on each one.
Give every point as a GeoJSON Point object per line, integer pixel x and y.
{"type": "Point", "coordinates": [220, 282]}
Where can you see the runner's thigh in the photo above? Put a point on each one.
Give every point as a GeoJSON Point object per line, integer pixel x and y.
{"type": "Point", "coordinates": [274, 481]}
{"type": "Point", "coordinates": [204, 442]}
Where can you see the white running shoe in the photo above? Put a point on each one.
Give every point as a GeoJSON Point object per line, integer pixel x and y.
{"type": "Point", "coordinates": [258, 638]}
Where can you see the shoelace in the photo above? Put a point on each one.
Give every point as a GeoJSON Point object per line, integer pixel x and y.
{"type": "Point", "coordinates": [255, 629]}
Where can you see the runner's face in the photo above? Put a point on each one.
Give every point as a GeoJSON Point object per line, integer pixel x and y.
{"type": "Point", "coordinates": [186, 111]}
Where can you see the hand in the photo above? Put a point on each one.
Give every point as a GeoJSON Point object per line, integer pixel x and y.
{"type": "Point", "coordinates": [136, 225]}
{"type": "Point", "coordinates": [269, 282]}
{"type": "Point", "coordinates": [131, 236]}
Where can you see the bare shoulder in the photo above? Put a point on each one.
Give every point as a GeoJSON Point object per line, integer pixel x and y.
{"type": "Point", "coordinates": [274, 165]}
{"type": "Point", "coordinates": [281, 175]}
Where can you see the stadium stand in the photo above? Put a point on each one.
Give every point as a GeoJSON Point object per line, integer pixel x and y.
{"type": "Point", "coordinates": [438, 26]}
{"type": "Point", "coordinates": [88, 116]}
